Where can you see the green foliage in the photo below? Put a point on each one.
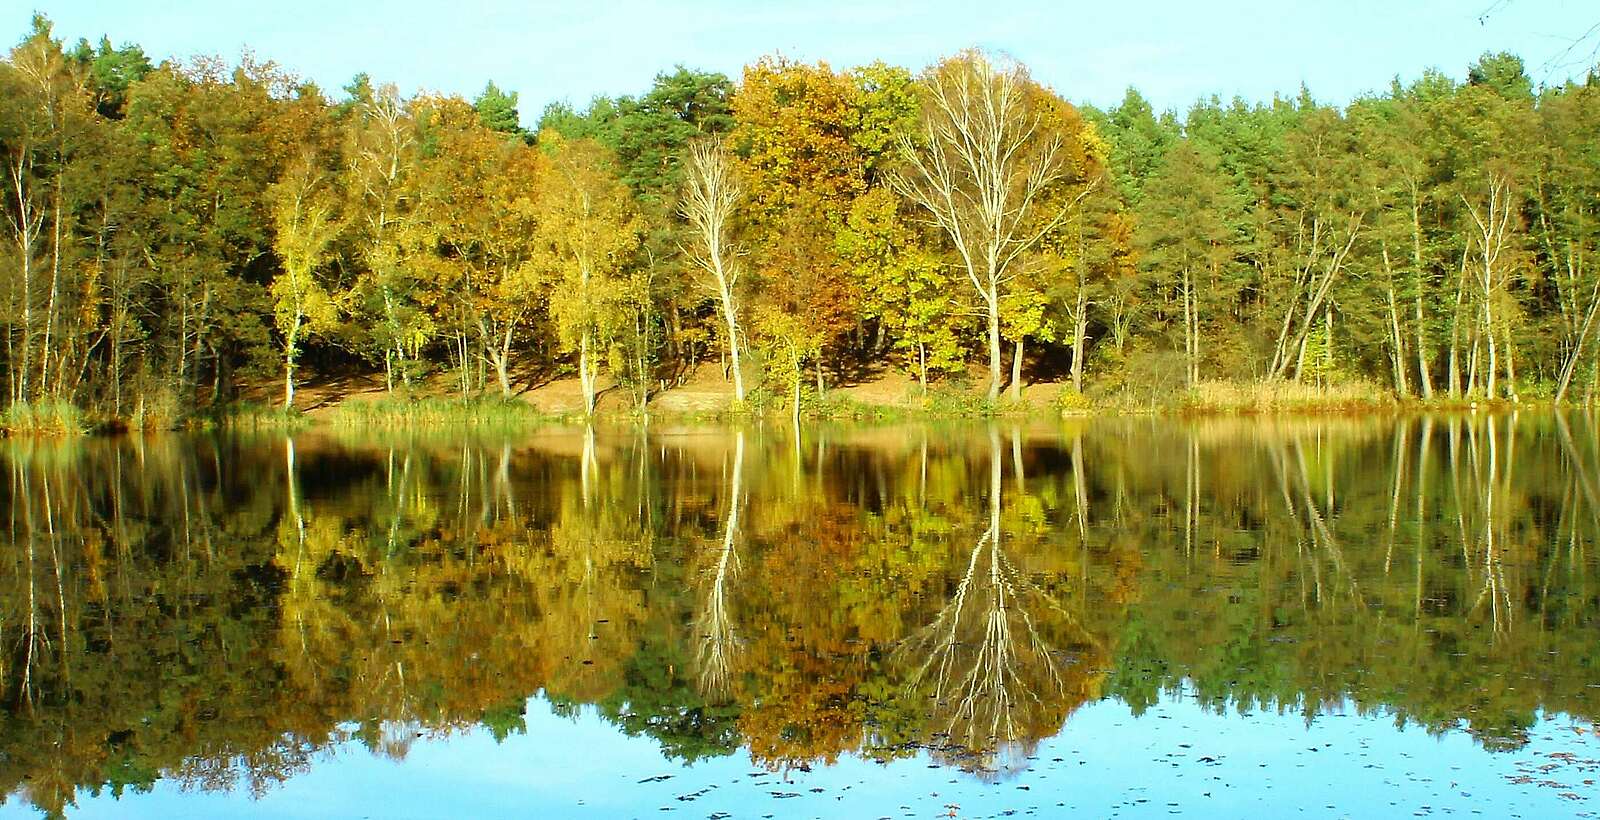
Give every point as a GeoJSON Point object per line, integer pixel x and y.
{"type": "Point", "coordinates": [497, 110]}
{"type": "Point", "coordinates": [111, 71]}
{"type": "Point", "coordinates": [1139, 142]}
{"type": "Point", "coordinates": [885, 113]}
{"type": "Point", "coordinates": [649, 133]}
{"type": "Point", "coordinates": [1504, 74]}
{"type": "Point", "coordinates": [506, 719]}
{"type": "Point", "coordinates": [904, 286]}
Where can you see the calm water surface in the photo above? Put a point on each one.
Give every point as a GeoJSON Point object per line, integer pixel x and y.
{"type": "Point", "coordinates": [1113, 618]}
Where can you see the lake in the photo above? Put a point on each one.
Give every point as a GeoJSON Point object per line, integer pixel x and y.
{"type": "Point", "coordinates": [1322, 617]}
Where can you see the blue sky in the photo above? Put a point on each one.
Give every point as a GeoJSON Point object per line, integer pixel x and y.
{"type": "Point", "coordinates": [1175, 52]}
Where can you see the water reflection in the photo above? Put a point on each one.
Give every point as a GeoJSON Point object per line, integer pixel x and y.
{"type": "Point", "coordinates": [215, 611]}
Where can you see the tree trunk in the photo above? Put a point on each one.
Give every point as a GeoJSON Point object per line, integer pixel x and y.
{"type": "Point", "coordinates": [585, 376]}
{"type": "Point", "coordinates": [405, 371]}
{"type": "Point", "coordinates": [1488, 331]}
{"type": "Point", "coordinates": [922, 366]}
{"type": "Point", "coordinates": [1397, 341]}
{"type": "Point", "coordinates": [55, 287]}
{"type": "Point", "coordinates": [394, 350]}
{"type": "Point", "coordinates": [502, 376]}
{"type": "Point", "coordinates": [1511, 368]}
{"type": "Point", "coordinates": [1472, 365]}
{"type": "Point", "coordinates": [27, 231]}
{"type": "Point", "coordinates": [1080, 333]}
{"type": "Point", "coordinates": [502, 363]}
{"type": "Point", "coordinates": [1327, 343]}
{"type": "Point", "coordinates": [464, 355]}
{"type": "Point", "coordinates": [795, 392]}
{"type": "Point", "coordinates": [1191, 328]}
{"type": "Point", "coordinates": [195, 361]}
{"type": "Point", "coordinates": [185, 317]}
{"type": "Point", "coordinates": [641, 368]}
{"type": "Point", "coordinates": [1455, 331]}
{"type": "Point", "coordinates": [1016, 372]}
{"type": "Point", "coordinates": [27, 320]}
{"type": "Point", "coordinates": [732, 325]}
{"type": "Point", "coordinates": [1424, 378]}
{"type": "Point", "coordinates": [993, 304]}
{"type": "Point", "coordinates": [116, 365]}
{"type": "Point", "coordinates": [288, 369]}
{"type": "Point", "coordinates": [1300, 355]}
{"type": "Point", "coordinates": [1576, 355]}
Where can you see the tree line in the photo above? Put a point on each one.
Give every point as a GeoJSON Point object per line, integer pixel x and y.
{"type": "Point", "coordinates": [176, 232]}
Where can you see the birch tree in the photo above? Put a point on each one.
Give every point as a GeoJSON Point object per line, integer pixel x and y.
{"type": "Point", "coordinates": [382, 158]}
{"type": "Point", "coordinates": [1566, 189]}
{"type": "Point", "coordinates": [25, 218]}
{"type": "Point", "coordinates": [988, 165]}
{"type": "Point", "coordinates": [587, 231]}
{"type": "Point", "coordinates": [1325, 213]}
{"type": "Point", "coordinates": [710, 196]}
{"type": "Point", "coordinates": [306, 222]}
{"type": "Point", "coordinates": [1489, 185]}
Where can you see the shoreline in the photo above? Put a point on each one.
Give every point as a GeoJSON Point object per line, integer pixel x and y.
{"type": "Point", "coordinates": [845, 404]}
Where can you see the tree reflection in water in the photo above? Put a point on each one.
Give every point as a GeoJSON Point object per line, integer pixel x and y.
{"type": "Point", "coordinates": [217, 610]}
{"type": "Point", "coordinates": [718, 643]}
{"type": "Point", "coordinates": [986, 660]}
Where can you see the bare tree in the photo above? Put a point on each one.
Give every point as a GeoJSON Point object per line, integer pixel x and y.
{"type": "Point", "coordinates": [1493, 220]}
{"type": "Point", "coordinates": [1325, 257]}
{"type": "Point", "coordinates": [710, 195]}
{"type": "Point", "coordinates": [988, 167]}
{"type": "Point", "coordinates": [26, 220]}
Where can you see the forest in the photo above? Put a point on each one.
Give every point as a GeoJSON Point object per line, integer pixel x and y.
{"type": "Point", "coordinates": [184, 235]}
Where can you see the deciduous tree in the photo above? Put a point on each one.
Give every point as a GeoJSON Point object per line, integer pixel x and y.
{"type": "Point", "coordinates": [990, 157]}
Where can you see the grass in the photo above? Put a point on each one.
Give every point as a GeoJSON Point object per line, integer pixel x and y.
{"type": "Point", "coordinates": [49, 417]}
{"type": "Point", "coordinates": [250, 416]}
{"type": "Point", "coordinates": [939, 402]}
{"type": "Point", "coordinates": [1278, 396]}
{"type": "Point", "coordinates": [483, 412]}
